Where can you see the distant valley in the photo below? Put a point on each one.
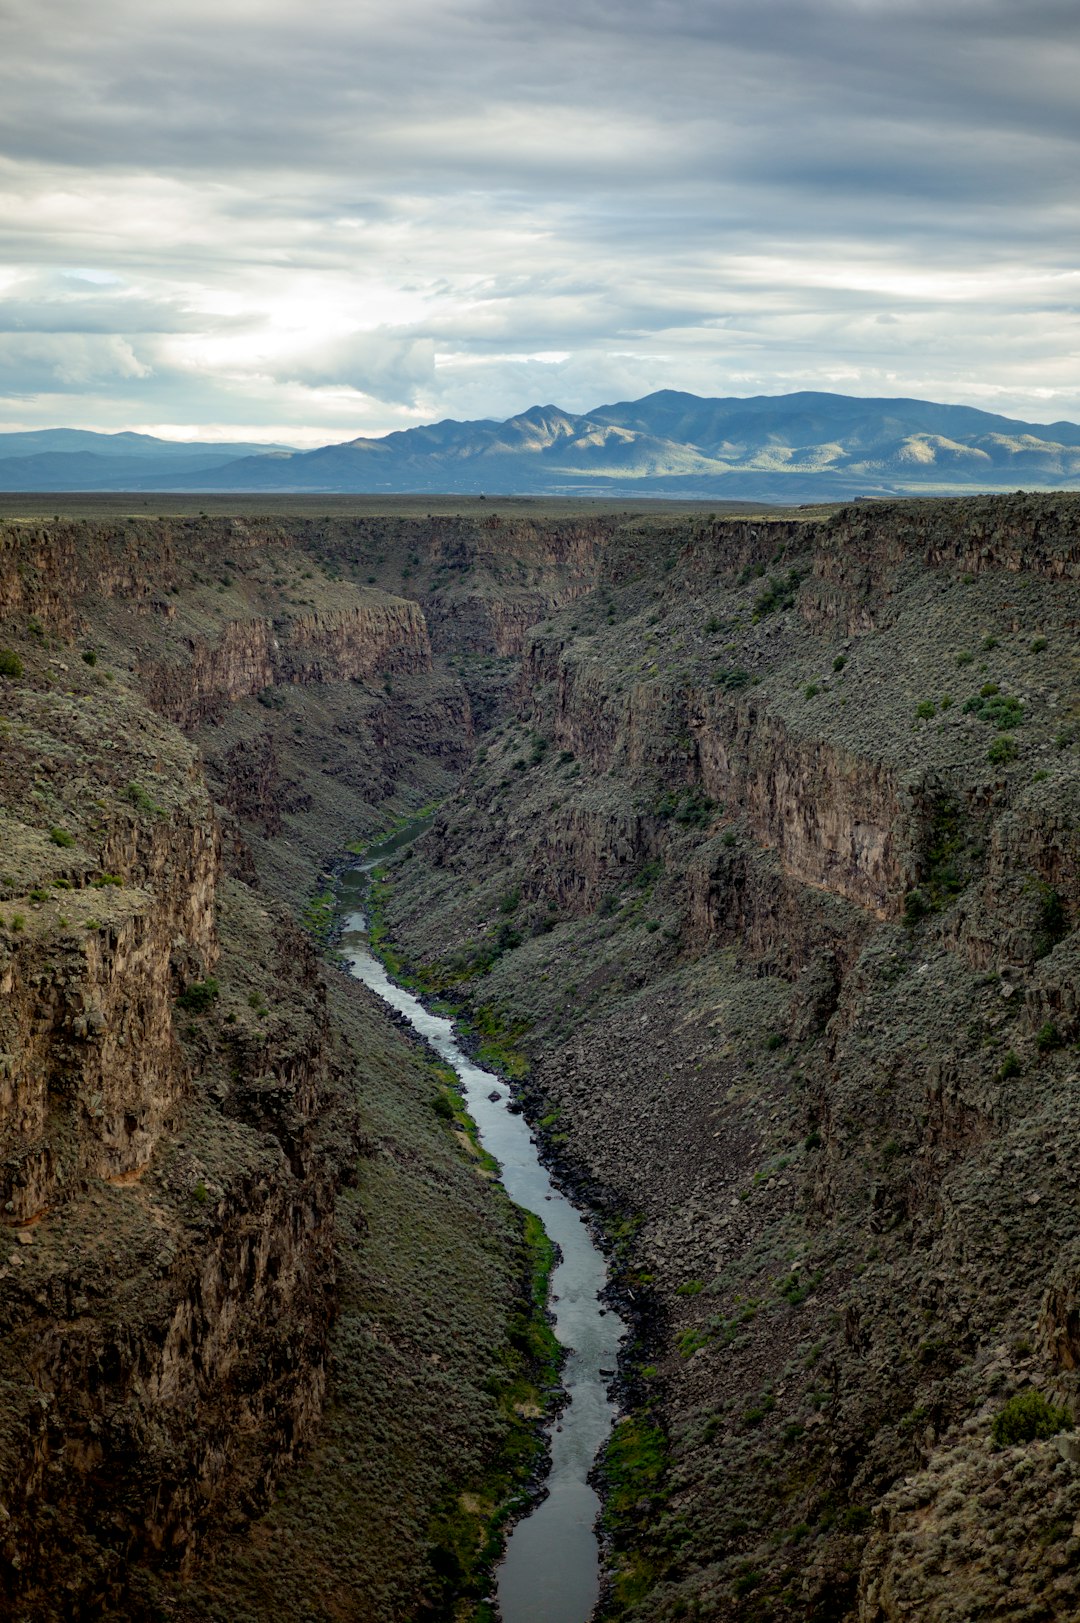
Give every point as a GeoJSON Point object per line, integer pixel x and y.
{"type": "Point", "coordinates": [803, 447]}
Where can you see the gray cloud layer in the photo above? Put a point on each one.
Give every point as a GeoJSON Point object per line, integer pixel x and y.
{"type": "Point", "coordinates": [260, 215]}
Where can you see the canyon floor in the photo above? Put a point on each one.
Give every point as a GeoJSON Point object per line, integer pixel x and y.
{"type": "Point", "coordinates": [757, 860]}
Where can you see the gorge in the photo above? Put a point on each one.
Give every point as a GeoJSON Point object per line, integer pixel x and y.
{"type": "Point", "coordinates": [755, 871]}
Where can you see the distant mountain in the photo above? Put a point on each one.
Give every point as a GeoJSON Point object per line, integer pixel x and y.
{"type": "Point", "coordinates": [796, 447]}
{"type": "Point", "coordinates": [78, 459]}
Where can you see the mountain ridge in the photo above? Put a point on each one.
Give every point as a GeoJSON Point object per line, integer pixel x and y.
{"type": "Point", "coordinates": [808, 445]}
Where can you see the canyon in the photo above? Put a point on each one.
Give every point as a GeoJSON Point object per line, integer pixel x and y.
{"type": "Point", "coordinates": [756, 863]}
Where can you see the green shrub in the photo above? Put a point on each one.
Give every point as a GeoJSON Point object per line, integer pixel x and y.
{"type": "Point", "coordinates": [691, 807]}
{"type": "Point", "coordinates": [1001, 751]}
{"type": "Point", "coordinates": [732, 680]}
{"type": "Point", "coordinates": [1039, 645]}
{"type": "Point", "coordinates": [139, 798]}
{"type": "Point", "coordinates": [916, 907]}
{"type": "Point", "coordinates": [1010, 1066]}
{"type": "Point", "coordinates": [925, 710]}
{"type": "Point", "coordinates": [89, 658]}
{"type": "Point", "coordinates": [779, 594]}
{"type": "Point", "coordinates": [1026, 1417]}
{"type": "Point", "coordinates": [1052, 924]}
{"type": "Point", "coordinates": [1000, 710]}
{"type": "Point", "coordinates": [18, 922]}
{"type": "Point", "coordinates": [839, 662]}
{"type": "Point", "coordinates": [60, 836]}
{"type": "Point", "coordinates": [1047, 1037]}
{"type": "Point", "coordinates": [811, 690]}
{"type": "Point", "coordinates": [10, 663]}
{"type": "Point", "coordinates": [797, 1287]}
{"type": "Point", "coordinates": [965, 657]}
{"type": "Point", "coordinates": [198, 996]}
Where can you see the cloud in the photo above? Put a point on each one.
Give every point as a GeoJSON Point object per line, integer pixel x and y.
{"type": "Point", "coordinates": [35, 362]}
{"type": "Point", "coordinates": [371, 215]}
{"type": "Point", "coordinates": [384, 365]}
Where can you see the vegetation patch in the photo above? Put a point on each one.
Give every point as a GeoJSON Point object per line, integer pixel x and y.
{"type": "Point", "coordinates": [953, 853]}
{"type": "Point", "coordinates": [318, 914]}
{"type": "Point", "coordinates": [1027, 1416]}
{"type": "Point", "coordinates": [691, 807]}
{"type": "Point", "coordinates": [1000, 710]}
{"type": "Point", "coordinates": [634, 1469]}
{"type": "Point", "coordinates": [467, 1531]}
{"type": "Point", "coordinates": [1051, 923]}
{"type": "Point", "coordinates": [199, 995]}
{"type": "Point", "coordinates": [778, 595]}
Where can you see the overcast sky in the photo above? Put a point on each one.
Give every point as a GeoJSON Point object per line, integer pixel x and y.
{"type": "Point", "coordinates": [309, 219]}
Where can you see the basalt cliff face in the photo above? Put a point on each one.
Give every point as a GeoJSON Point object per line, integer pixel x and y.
{"type": "Point", "coordinates": [777, 867]}
{"type": "Point", "coordinates": [211, 1149]}
{"type": "Point", "coordinates": [763, 837]}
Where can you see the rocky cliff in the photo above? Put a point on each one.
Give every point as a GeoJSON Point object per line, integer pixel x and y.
{"type": "Point", "coordinates": [777, 865]}
{"type": "Point", "coordinates": [168, 1265]}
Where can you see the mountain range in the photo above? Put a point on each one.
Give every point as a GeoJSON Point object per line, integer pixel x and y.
{"type": "Point", "coordinates": [797, 447]}
{"type": "Point", "coordinates": [78, 459]}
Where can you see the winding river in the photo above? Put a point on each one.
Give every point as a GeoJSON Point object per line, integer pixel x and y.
{"type": "Point", "coordinates": [551, 1570]}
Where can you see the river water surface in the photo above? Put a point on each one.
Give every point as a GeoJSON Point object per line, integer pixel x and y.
{"type": "Point", "coordinates": [551, 1570]}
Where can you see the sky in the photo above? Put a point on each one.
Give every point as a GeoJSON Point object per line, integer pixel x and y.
{"type": "Point", "coordinates": [303, 222]}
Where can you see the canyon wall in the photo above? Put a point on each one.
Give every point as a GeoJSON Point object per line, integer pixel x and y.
{"type": "Point", "coordinates": [776, 867]}
{"type": "Point", "coordinates": [178, 1114]}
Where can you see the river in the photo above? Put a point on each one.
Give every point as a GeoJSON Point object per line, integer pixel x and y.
{"type": "Point", "coordinates": [550, 1572]}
